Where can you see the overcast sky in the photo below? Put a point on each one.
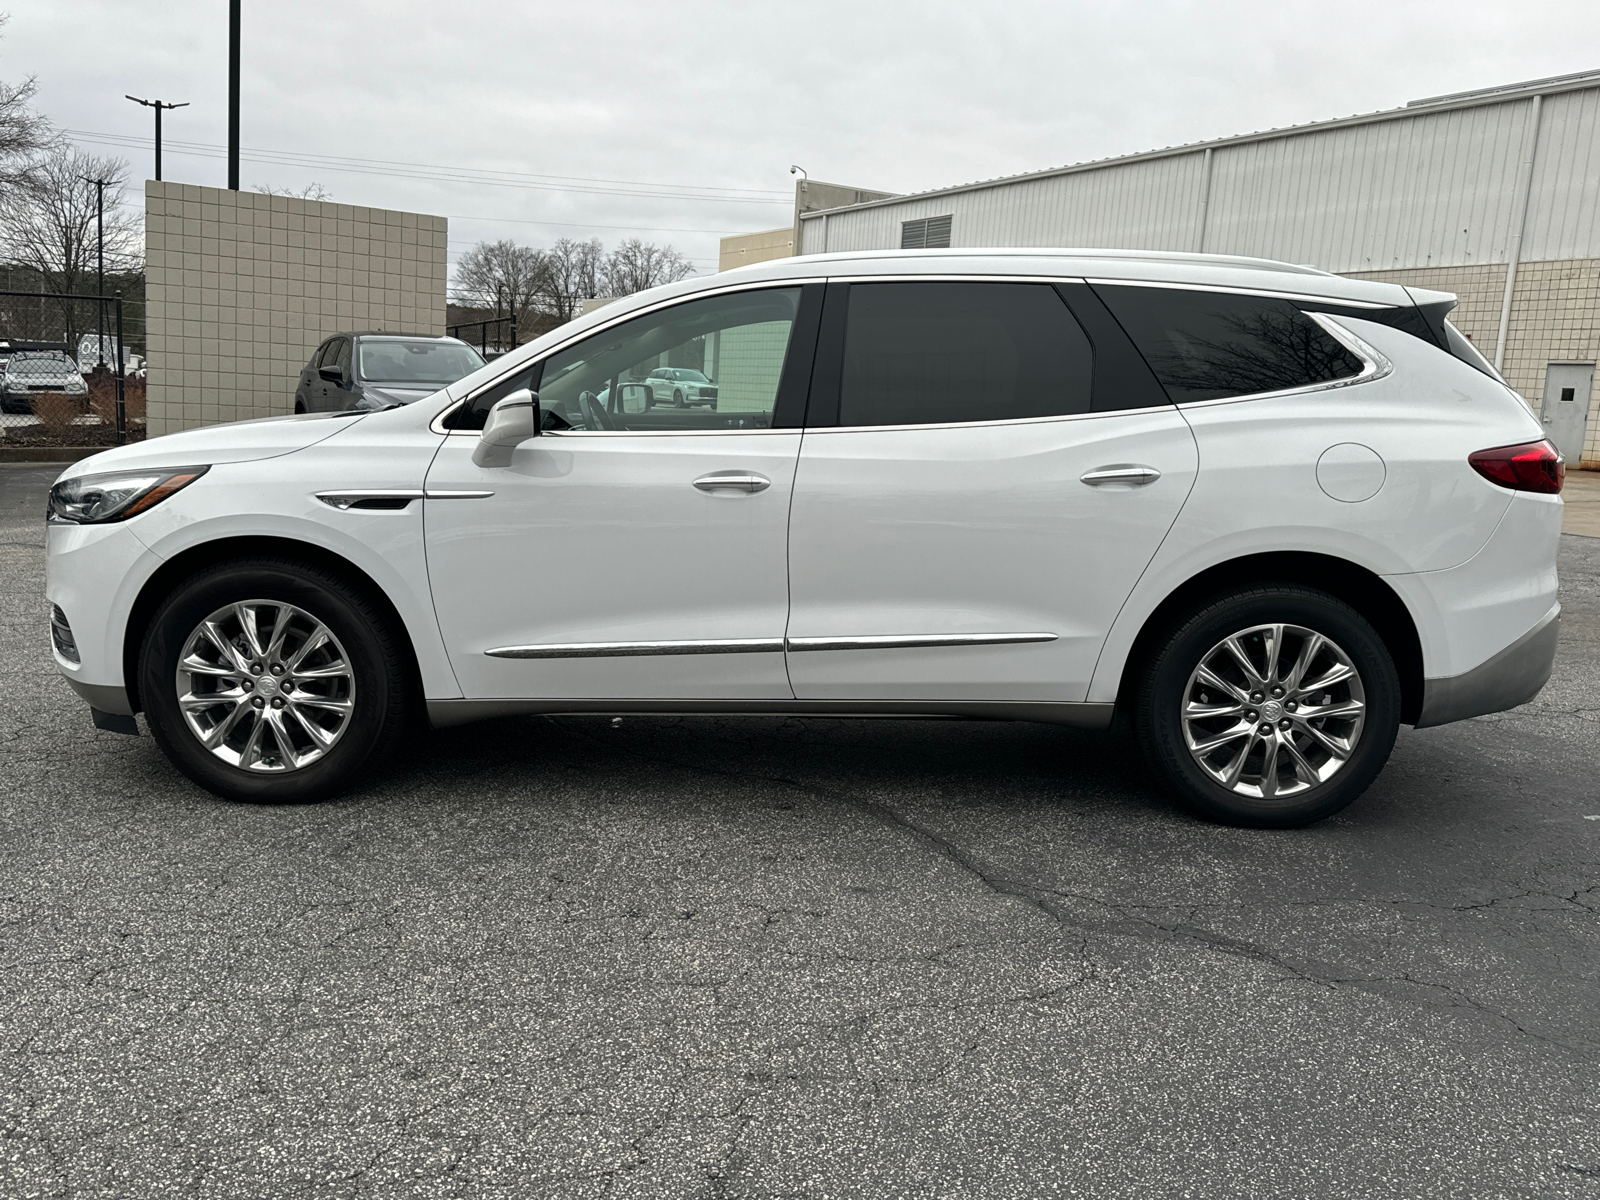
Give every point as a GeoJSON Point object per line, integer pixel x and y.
{"type": "Point", "coordinates": [702, 107]}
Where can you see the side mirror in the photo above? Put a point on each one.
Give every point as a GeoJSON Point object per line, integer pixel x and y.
{"type": "Point", "coordinates": [511, 422]}
{"type": "Point", "coordinates": [332, 374]}
{"type": "Point", "coordinates": [637, 397]}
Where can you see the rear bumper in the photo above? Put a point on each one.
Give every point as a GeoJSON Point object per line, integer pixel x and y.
{"type": "Point", "coordinates": [1513, 676]}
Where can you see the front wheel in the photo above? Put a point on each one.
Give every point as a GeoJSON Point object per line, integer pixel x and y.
{"type": "Point", "coordinates": [273, 681]}
{"type": "Point", "coordinates": [678, 401]}
{"type": "Point", "coordinates": [1272, 706]}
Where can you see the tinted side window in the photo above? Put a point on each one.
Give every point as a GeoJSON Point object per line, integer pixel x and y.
{"type": "Point", "coordinates": [321, 355]}
{"type": "Point", "coordinates": [1210, 345]}
{"type": "Point", "coordinates": [339, 356]}
{"type": "Point", "coordinates": [937, 353]}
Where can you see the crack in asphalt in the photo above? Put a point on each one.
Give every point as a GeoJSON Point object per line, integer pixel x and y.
{"type": "Point", "coordinates": [1034, 894]}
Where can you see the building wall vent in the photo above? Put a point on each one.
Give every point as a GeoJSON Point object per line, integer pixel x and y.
{"type": "Point", "coordinates": [928, 233]}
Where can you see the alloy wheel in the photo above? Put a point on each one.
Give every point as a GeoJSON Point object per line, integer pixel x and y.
{"type": "Point", "coordinates": [1273, 710]}
{"type": "Point", "coordinates": [265, 686]}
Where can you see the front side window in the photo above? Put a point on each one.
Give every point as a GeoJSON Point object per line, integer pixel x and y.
{"type": "Point", "coordinates": [621, 379]}
{"type": "Point", "coordinates": [941, 353]}
{"type": "Point", "coordinates": [1212, 345]}
{"type": "Point", "coordinates": [339, 356]}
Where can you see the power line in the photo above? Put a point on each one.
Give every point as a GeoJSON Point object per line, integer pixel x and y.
{"type": "Point", "coordinates": [582, 225]}
{"type": "Point", "coordinates": [448, 174]}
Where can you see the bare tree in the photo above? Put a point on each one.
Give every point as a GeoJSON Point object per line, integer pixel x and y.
{"type": "Point", "coordinates": [501, 277]}
{"type": "Point", "coordinates": [572, 273]}
{"type": "Point", "coordinates": [312, 191]}
{"type": "Point", "coordinates": [634, 266]}
{"type": "Point", "coordinates": [47, 224]}
{"type": "Point", "coordinates": [24, 134]}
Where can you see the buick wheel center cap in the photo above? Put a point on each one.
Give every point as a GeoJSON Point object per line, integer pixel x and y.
{"type": "Point", "coordinates": [267, 685]}
{"type": "Point", "coordinates": [1271, 710]}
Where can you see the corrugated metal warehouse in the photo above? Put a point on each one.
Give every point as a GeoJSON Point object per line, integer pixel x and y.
{"type": "Point", "coordinates": [1492, 195]}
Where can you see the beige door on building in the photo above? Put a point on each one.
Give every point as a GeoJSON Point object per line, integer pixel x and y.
{"type": "Point", "coordinates": [1566, 406]}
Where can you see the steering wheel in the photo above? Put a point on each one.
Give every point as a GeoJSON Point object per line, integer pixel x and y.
{"type": "Point", "coordinates": [594, 416]}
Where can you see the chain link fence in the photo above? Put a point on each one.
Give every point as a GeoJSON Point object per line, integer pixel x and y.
{"type": "Point", "coordinates": [67, 377]}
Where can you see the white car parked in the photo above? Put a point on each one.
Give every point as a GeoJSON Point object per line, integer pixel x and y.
{"type": "Point", "coordinates": [1270, 514]}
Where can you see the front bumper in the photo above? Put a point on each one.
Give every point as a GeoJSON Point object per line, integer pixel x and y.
{"type": "Point", "coordinates": [1514, 676]}
{"type": "Point", "coordinates": [93, 574]}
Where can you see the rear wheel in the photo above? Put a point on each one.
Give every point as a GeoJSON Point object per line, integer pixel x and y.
{"type": "Point", "coordinates": [273, 681]}
{"type": "Point", "coordinates": [1271, 706]}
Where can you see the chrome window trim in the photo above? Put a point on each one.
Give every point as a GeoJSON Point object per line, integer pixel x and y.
{"type": "Point", "coordinates": [1243, 291]}
{"type": "Point", "coordinates": [612, 433]}
{"type": "Point", "coordinates": [1110, 412]}
{"type": "Point", "coordinates": [1374, 366]}
{"type": "Point", "coordinates": [437, 424]}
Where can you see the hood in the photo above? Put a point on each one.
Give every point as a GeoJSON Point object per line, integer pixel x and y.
{"type": "Point", "coordinates": [386, 395]}
{"type": "Point", "coordinates": [238, 441]}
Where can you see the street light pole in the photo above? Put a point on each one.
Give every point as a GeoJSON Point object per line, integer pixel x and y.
{"type": "Point", "coordinates": [233, 95]}
{"type": "Point", "coordinates": [158, 105]}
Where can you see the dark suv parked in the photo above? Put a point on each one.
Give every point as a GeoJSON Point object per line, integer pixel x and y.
{"type": "Point", "coordinates": [374, 370]}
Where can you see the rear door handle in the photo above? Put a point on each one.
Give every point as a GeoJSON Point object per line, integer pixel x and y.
{"type": "Point", "coordinates": [1123, 474]}
{"type": "Point", "coordinates": [733, 481]}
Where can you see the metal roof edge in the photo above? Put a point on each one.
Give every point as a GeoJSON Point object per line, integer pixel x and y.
{"type": "Point", "coordinates": [1416, 108]}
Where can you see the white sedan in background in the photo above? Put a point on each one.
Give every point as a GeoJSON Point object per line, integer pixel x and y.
{"type": "Point", "coordinates": [1268, 513]}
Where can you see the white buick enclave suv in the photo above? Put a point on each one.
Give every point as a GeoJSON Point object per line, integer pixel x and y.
{"type": "Point", "coordinates": [1267, 513]}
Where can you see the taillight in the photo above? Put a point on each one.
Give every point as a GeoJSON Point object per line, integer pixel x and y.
{"type": "Point", "coordinates": [1530, 467]}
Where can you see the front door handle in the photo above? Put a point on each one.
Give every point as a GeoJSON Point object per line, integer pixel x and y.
{"type": "Point", "coordinates": [733, 481]}
{"type": "Point", "coordinates": [1121, 474]}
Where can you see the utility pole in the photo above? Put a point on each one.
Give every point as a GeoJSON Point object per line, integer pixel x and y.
{"type": "Point", "coordinates": [100, 253]}
{"type": "Point", "coordinates": [158, 105]}
{"type": "Point", "coordinates": [233, 95]}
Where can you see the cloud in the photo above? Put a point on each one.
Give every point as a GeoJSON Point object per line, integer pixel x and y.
{"type": "Point", "coordinates": [722, 95]}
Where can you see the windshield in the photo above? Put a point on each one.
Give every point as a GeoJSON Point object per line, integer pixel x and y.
{"type": "Point", "coordinates": [396, 360]}
{"type": "Point", "coordinates": [52, 358]}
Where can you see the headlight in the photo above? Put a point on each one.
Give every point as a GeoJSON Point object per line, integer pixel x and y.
{"type": "Point", "coordinates": [116, 495]}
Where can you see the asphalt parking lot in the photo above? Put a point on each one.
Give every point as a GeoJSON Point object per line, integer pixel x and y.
{"type": "Point", "coordinates": [762, 957]}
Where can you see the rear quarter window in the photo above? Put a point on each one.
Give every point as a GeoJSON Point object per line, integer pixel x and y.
{"type": "Point", "coordinates": [1214, 345]}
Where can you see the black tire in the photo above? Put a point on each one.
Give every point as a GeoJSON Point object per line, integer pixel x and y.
{"type": "Point", "coordinates": [678, 401]}
{"type": "Point", "coordinates": [380, 667]}
{"type": "Point", "coordinates": [1164, 689]}
{"type": "Point", "coordinates": [299, 408]}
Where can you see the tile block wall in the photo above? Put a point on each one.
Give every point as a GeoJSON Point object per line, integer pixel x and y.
{"type": "Point", "coordinates": [1555, 317]}
{"type": "Point", "coordinates": [241, 287]}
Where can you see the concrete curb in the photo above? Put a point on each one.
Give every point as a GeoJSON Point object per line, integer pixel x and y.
{"type": "Point", "coordinates": [47, 454]}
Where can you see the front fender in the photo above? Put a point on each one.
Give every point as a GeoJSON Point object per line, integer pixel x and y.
{"type": "Point", "coordinates": [272, 500]}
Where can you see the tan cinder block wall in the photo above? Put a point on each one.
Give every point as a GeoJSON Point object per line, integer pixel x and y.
{"type": "Point", "coordinates": [745, 248]}
{"type": "Point", "coordinates": [241, 287]}
{"type": "Point", "coordinates": [1555, 317]}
